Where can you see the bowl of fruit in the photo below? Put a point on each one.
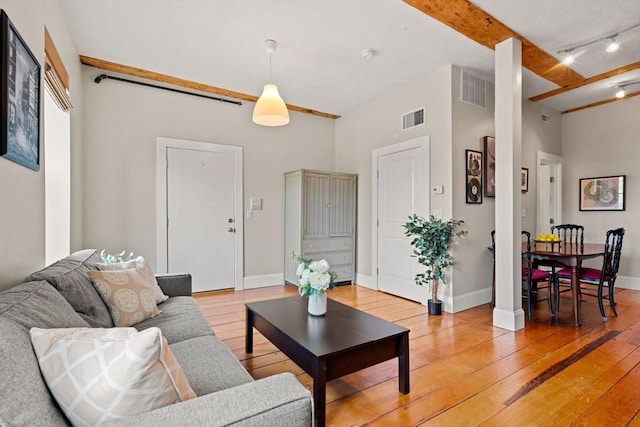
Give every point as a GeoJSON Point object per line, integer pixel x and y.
{"type": "Point", "coordinates": [548, 239]}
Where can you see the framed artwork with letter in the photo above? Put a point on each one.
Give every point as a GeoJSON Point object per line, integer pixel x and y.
{"type": "Point", "coordinates": [474, 176]}
{"type": "Point", "coordinates": [489, 166]}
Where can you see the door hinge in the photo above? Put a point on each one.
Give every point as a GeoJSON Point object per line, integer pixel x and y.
{"type": "Point", "coordinates": [552, 179]}
{"type": "Point", "coordinates": [552, 221]}
{"type": "Point", "coordinates": [167, 222]}
{"type": "Point", "coordinates": [377, 271]}
{"type": "Point", "coordinates": [378, 173]}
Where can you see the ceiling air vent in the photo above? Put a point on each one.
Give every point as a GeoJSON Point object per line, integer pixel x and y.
{"type": "Point", "coordinates": [413, 119]}
{"type": "Point", "coordinates": [473, 89]}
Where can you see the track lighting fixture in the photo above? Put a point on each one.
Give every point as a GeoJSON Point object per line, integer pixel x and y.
{"type": "Point", "coordinates": [612, 45]}
{"type": "Point", "coordinates": [620, 91]}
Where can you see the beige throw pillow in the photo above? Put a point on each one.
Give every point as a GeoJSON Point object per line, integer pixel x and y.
{"type": "Point", "coordinates": [99, 375]}
{"type": "Point", "coordinates": [128, 296]}
{"type": "Point", "coordinates": [145, 271]}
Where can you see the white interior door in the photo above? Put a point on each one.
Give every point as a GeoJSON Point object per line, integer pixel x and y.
{"type": "Point", "coordinates": [203, 236]}
{"type": "Point", "coordinates": [549, 200]}
{"type": "Point", "coordinates": [402, 189]}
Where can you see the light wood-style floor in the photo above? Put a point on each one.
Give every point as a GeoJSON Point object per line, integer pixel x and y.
{"type": "Point", "coordinates": [464, 371]}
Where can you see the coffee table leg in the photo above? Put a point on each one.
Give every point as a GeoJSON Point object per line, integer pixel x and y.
{"type": "Point", "coordinates": [403, 363]}
{"type": "Point", "coordinates": [320, 392]}
{"type": "Point", "coordinates": [248, 338]}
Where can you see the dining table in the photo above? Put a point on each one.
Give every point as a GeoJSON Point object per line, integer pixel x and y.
{"type": "Point", "coordinates": [570, 255]}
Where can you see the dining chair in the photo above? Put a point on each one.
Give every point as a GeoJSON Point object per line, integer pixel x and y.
{"type": "Point", "coordinates": [571, 234]}
{"type": "Point", "coordinates": [590, 277]}
{"type": "Point", "coordinates": [530, 276]}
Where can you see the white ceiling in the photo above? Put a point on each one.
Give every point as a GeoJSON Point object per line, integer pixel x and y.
{"type": "Point", "coordinates": [318, 61]}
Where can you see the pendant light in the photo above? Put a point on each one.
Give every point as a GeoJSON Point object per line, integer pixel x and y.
{"type": "Point", "coordinates": [270, 109]}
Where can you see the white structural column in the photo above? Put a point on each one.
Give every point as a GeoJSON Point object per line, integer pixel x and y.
{"type": "Point", "coordinates": [508, 312]}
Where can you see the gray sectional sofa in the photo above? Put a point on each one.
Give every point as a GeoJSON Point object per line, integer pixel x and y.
{"type": "Point", "coordinates": [61, 296]}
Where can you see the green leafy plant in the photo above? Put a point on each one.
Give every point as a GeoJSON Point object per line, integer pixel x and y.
{"type": "Point", "coordinates": [431, 243]}
{"type": "Point", "coordinates": [108, 258]}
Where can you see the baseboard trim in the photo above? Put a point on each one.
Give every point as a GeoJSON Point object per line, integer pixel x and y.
{"type": "Point", "coordinates": [263, 281]}
{"type": "Point", "coordinates": [468, 300]}
{"type": "Point", "coordinates": [509, 320]}
{"type": "Point", "coordinates": [627, 282]}
{"type": "Point", "coordinates": [366, 281]}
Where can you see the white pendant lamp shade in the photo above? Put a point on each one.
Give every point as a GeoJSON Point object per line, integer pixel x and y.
{"type": "Point", "coordinates": [270, 110]}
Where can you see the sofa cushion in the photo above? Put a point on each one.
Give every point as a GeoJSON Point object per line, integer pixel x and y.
{"type": "Point", "coordinates": [145, 271]}
{"type": "Point", "coordinates": [24, 397]}
{"type": "Point", "coordinates": [129, 297]}
{"type": "Point", "coordinates": [180, 319]}
{"type": "Point", "coordinates": [98, 374]}
{"type": "Point", "coordinates": [38, 304]}
{"type": "Point", "coordinates": [209, 365]}
{"type": "Point", "coordinates": [69, 276]}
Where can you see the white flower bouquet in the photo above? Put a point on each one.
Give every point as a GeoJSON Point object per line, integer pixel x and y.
{"type": "Point", "coordinates": [314, 276]}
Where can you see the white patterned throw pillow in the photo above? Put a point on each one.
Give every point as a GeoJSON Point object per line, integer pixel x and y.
{"type": "Point", "coordinates": [145, 271]}
{"type": "Point", "coordinates": [127, 294]}
{"type": "Point", "coordinates": [99, 375]}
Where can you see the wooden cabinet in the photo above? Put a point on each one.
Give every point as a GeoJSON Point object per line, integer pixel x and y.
{"type": "Point", "coordinates": [320, 221]}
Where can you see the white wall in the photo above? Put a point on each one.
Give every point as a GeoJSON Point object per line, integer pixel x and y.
{"type": "Point", "coordinates": [603, 141]}
{"type": "Point", "coordinates": [22, 244]}
{"type": "Point", "coordinates": [122, 121]}
{"type": "Point", "coordinates": [378, 124]}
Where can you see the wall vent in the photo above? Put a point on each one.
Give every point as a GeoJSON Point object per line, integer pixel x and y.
{"type": "Point", "coordinates": [413, 119]}
{"type": "Point", "coordinates": [546, 118]}
{"type": "Point", "coordinates": [473, 89]}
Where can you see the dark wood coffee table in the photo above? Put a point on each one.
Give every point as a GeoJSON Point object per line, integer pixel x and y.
{"type": "Point", "coordinates": [343, 341]}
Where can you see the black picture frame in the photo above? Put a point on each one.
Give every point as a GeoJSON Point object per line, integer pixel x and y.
{"type": "Point", "coordinates": [489, 166]}
{"type": "Point", "coordinates": [524, 179]}
{"type": "Point", "coordinates": [473, 181]}
{"type": "Point", "coordinates": [604, 193]}
{"type": "Point", "coordinates": [19, 98]}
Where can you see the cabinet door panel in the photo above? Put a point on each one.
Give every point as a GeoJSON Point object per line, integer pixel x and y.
{"type": "Point", "coordinates": [316, 205]}
{"type": "Point", "coordinates": [342, 206]}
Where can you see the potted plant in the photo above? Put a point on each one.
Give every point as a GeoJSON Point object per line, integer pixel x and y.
{"type": "Point", "coordinates": [431, 243]}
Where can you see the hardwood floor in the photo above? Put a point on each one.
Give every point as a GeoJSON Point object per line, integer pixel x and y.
{"type": "Point", "coordinates": [464, 371]}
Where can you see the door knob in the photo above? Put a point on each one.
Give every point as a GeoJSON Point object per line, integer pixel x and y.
{"type": "Point", "coordinates": [231, 230]}
{"type": "Point", "coordinates": [230, 220]}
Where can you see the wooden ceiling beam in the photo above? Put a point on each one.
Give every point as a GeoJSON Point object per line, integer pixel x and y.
{"type": "Point", "coordinates": [476, 24]}
{"type": "Point", "coordinates": [604, 101]}
{"type": "Point", "coordinates": [587, 81]}
{"type": "Point", "coordinates": [176, 81]}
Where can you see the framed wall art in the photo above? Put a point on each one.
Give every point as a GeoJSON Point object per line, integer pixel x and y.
{"type": "Point", "coordinates": [605, 193]}
{"type": "Point", "coordinates": [474, 176]}
{"type": "Point", "coordinates": [19, 98]}
{"type": "Point", "coordinates": [489, 166]}
{"type": "Point", "coordinates": [524, 180]}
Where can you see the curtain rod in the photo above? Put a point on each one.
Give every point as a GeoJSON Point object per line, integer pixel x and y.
{"type": "Point", "coordinates": [101, 77]}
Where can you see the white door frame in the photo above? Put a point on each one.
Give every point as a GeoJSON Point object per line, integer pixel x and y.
{"type": "Point", "coordinates": [162, 144]}
{"type": "Point", "coordinates": [542, 159]}
{"type": "Point", "coordinates": [420, 142]}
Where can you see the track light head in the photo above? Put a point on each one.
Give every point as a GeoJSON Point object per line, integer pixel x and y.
{"type": "Point", "coordinates": [619, 90]}
{"type": "Point", "coordinates": [570, 58]}
{"type": "Point", "coordinates": [612, 45]}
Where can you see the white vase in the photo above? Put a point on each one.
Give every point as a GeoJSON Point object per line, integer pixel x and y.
{"type": "Point", "coordinates": [317, 304]}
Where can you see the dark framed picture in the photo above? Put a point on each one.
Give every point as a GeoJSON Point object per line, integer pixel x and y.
{"type": "Point", "coordinates": [524, 179]}
{"type": "Point", "coordinates": [606, 193]}
{"type": "Point", "coordinates": [489, 166]}
{"type": "Point", "coordinates": [474, 176]}
{"type": "Point", "coordinates": [19, 98]}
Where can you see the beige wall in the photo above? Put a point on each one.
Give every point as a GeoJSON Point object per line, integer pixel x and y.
{"type": "Point", "coordinates": [21, 189]}
{"type": "Point", "coordinates": [603, 141]}
{"type": "Point", "coordinates": [376, 125]}
{"type": "Point", "coordinates": [453, 127]}
{"type": "Point", "coordinates": [122, 121]}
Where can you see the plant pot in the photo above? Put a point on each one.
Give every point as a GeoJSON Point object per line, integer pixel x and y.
{"type": "Point", "coordinates": [434, 308]}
